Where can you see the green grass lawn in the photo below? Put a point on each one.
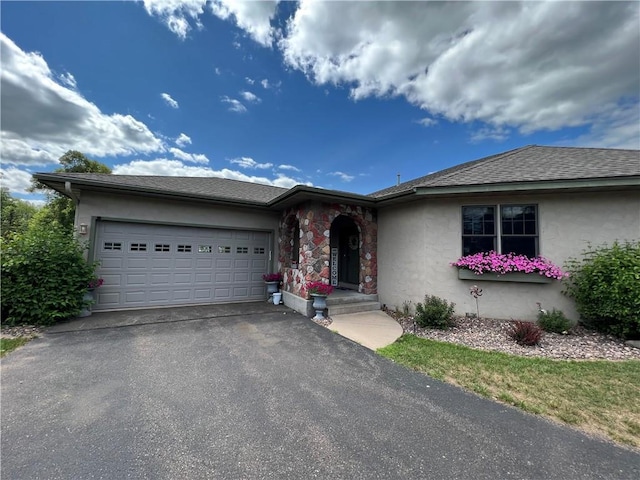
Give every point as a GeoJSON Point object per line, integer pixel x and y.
{"type": "Point", "coordinates": [599, 397]}
{"type": "Point", "coordinates": [9, 344]}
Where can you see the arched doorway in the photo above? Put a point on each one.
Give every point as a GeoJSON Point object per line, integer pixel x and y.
{"type": "Point", "coordinates": [345, 253]}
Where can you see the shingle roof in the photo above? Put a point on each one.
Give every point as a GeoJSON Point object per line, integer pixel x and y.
{"type": "Point", "coordinates": [529, 164]}
{"type": "Point", "coordinates": [206, 187]}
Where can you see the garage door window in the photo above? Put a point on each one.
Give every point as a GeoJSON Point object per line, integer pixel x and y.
{"type": "Point", "coordinates": [138, 247]}
{"type": "Point", "coordinates": [112, 246]}
{"type": "Point", "coordinates": [162, 247]}
{"type": "Point", "coordinates": [205, 249]}
{"type": "Point", "coordinates": [184, 248]}
{"type": "Point", "coordinates": [224, 249]}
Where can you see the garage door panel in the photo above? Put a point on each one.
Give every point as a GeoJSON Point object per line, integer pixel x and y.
{"type": "Point", "coordinates": [160, 279]}
{"type": "Point", "coordinates": [135, 297]}
{"type": "Point", "coordinates": [182, 278]}
{"type": "Point", "coordinates": [161, 263]}
{"type": "Point", "coordinates": [203, 278]}
{"type": "Point", "coordinates": [160, 296]}
{"type": "Point", "coordinates": [240, 277]}
{"type": "Point", "coordinates": [140, 263]}
{"type": "Point", "coordinates": [107, 263]}
{"type": "Point", "coordinates": [135, 279]}
{"type": "Point", "coordinates": [145, 264]}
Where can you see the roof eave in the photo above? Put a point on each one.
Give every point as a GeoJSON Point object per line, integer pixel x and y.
{"type": "Point", "coordinates": [301, 193]}
{"type": "Point", "coordinates": [57, 183]}
{"type": "Point", "coordinates": [523, 187]}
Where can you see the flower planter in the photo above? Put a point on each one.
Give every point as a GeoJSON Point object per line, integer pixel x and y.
{"type": "Point", "coordinates": [517, 277]}
{"type": "Point", "coordinates": [319, 304]}
{"type": "Point", "coordinates": [272, 287]}
{"type": "Point", "coordinates": [86, 310]}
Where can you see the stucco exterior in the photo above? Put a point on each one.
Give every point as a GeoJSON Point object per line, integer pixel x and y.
{"type": "Point", "coordinates": [168, 211]}
{"type": "Point", "coordinates": [417, 241]}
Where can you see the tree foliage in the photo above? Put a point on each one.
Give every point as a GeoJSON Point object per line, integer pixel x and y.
{"type": "Point", "coordinates": [60, 209]}
{"type": "Point", "coordinates": [15, 214]}
{"type": "Point", "coordinates": [44, 276]}
{"type": "Point", "coordinates": [605, 285]}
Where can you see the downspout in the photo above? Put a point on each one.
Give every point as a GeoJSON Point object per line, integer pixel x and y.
{"type": "Point", "coordinates": [76, 201]}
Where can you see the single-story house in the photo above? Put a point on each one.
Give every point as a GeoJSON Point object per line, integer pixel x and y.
{"type": "Point", "coordinates": [166, 241]}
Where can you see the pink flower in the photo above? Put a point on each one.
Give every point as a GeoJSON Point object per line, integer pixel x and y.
{"type": "Point", "coordinates": [503, 263]}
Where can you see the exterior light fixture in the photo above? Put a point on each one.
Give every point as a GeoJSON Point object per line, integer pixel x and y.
{"type": "Point", "coordinates": [83, 229]}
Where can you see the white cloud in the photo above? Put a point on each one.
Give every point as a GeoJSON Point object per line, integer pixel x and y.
{"type": "Point", "coordinates": [169, 101]}
{"type": "Point", "coordinates": [250, 97]}
{"type": "Point", "coordinates": [69, 80]}
{"type": "Point", "coordinates": [178, 15]}
{"type": "Point", "coordinates": [289, 167]}
{"type": "Point", "coordinates": [343, 176]}
{"type": "Point", "coordinates": [188, 157]}
{"type": "Point", "coordinates": [183, 139]}
{"type": "Point", "coordinates": [252, 17]}
{"type": "Point", "coordinates": [15, 179]}
{"type": "Point", "coordinates": [267, 85]}
{"type": "Point", "coordinates": [250, 81]}
{"type": "Point", "coordinates": [528, 65]}
{"type": "Point", "coordinates": [218, 71]}
{"type": "Point", "coordinates": [498, 134]}
{"type": "Point", "coordinates": [42, 119]}
{"type": "Point", "coordinates": [234, 105]}
{"type": "Point", "coordinates": [427, 122]}
{"type": "Point", "coordinates": [176, 168]}
{"type": "Point", "coordinates": [247, 162]}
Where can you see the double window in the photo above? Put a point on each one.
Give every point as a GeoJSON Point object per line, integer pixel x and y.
{"type": "Point", "coordinates": [503, 228]}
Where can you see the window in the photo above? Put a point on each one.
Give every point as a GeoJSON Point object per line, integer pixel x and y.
{"type": "Point", "coordinates": [112, 246]}
{"type": "Point", "coordinates": [517, 229]}
{"type": "Point", "coordinates": [138, 247]}
{"type": "Point", "coordinates": [205, 249]}
{"type": "Point", "coordinates": [242, 249]}
{"type": "Point", "coordinates": [162, 247]}
{"type": "Point", "coordinates": [184, 248]}
{"type": "Point", "coordinates": [258, 250]}
{"type": "Point", "coordinates": [224, 249]}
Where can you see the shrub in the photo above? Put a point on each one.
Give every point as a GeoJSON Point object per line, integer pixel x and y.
{"type": "Point", "coordinates": [44, 277]}
{"type": "Point", "coordinates": [526, 334]}
{"type": "Point", "coordinates": [605, 285]}
{"type": "Point", "coordinates": [435, 313]}
{"type": "Point", "coordinates": [554, 321]}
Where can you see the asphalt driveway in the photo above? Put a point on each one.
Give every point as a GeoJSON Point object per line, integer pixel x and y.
{"type": "Point", "coordinates": [258, 391]}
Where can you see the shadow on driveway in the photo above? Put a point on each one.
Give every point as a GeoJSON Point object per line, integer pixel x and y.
{"type": "Point", "coordinates": [265, 393]}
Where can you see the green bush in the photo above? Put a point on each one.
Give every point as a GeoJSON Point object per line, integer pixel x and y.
{"type": "Point", "coordinates": [44, 277]}
{"type": "Point", "coordinates": [434, 313]}
{"type": "Point", "coordinates": [554, 321]}
{"type": "Point", "coordinates": [605, 285]}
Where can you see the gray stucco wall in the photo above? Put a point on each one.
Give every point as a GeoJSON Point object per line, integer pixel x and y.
{"type": "Point", "coordinates": [156, 210]}
{"type": "Point", "coordinates": [417, 242]}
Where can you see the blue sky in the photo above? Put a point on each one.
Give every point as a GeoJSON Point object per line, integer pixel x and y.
{"type": "Point", "coordinates": [335, 95]}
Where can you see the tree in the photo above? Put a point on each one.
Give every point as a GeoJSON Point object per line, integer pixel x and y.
{"type": "Point", "coordinates": [15, 214]}
{"type": "Point", "coordinates": [60, 209]}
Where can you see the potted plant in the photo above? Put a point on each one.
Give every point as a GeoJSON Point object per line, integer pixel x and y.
{"type": "Point", "coordinates": [273, 281]}
{"type": "Point", "coordinates": [88, 296]}
{"type": "Point", "coordinates": [319, 291]}
{"type": "Point", "coordinates": [507, 267]}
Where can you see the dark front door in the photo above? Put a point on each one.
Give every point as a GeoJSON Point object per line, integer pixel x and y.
{"type": "Point", "coordinates": [346, 238]}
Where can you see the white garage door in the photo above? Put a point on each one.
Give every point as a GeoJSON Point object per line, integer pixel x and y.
{"type": "Point", "coordinates": [145, 265]}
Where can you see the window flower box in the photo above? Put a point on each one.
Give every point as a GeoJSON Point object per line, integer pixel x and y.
{"type": "Point", "coordinates": [497, 267]}
{"type": "Point", "coordinates": [520, 277]}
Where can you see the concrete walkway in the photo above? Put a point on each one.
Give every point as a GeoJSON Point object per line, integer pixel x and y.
{"type": "Point", "coordinates": [373, 329]}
